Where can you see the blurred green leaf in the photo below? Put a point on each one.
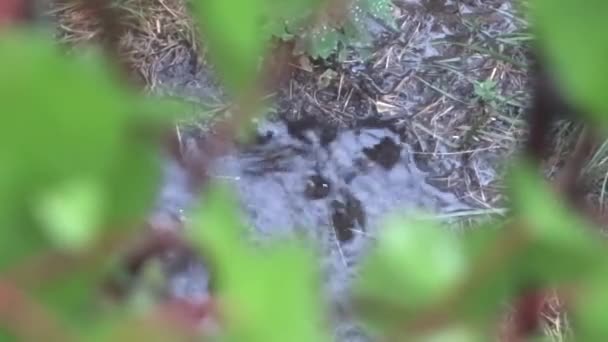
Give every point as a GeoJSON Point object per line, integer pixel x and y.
{"type": "Point", "coordinates": [232, 32]}
{"type": "Point", "coordinates": [71, 111]}
{"type": "Point", "coordinates": [131, 183]}
{"type": "Point", "coordinates": [123, 326]}
{"type": "Point", "coordinates": [268, 294]}
{"type": "Point", "coordinates": [562, 245]}
{"type": "Point", "coordinates": [493, 275]}
{"type": "Point", "coordinates": [414, 263]}
{"type": "Point", "coordinates": [72, 120]}
{"type": "Point", "coordinates": [218, 225]}
{"type": "Point", "coordinates": [6, 336]}
{"type": "Point", "coordinates": [573, 35]}
{"type": "Point", "coordinates": [18, 244]}
{"type": "Point", "coordinates": [485, 90]}
{"type": "Point", "coordinates": [71, 214]}
{"type": "Point", "coordinates": [156, 112]}
{"type": "Point", "coordinates": [589, 317]}
{"type": "Point", "coordinates": [73, 166]}
{"type": "Point", "coordinates": [456, 333]}
{"type": "Point", "coordinates": [72, 296]}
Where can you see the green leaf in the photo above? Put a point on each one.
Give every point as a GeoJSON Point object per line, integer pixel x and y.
{"type": "Point", "coordinates": [493, 273]}
{"type": "Point", "coordinates": [72, 297]}
{"type": "Point", "coordinates": [573, 36]}
{"type": "Point", "coordinates": [380, 9]}
{"type": "Point", "coordinates": [419, 260]}
{"type": "Point", "coordinates": [123, 327]}
{"type": "Point", "coordinates": [157, 111]}
{"type": "Point", "coordinates": [232, 31]}
{"type": "Point", "coordinates": [131, 183]}
{"type": "Point", "coordinates": [590, 308]}
{"type": "Point", "coordinates": [269, 294]}
{"type": "Point", "coordinates": [65, 120]}
{"type": "Point", "coordinates": [562, 245]}
{"type": "Point", "coordinates": [72, 213]}
{"type": "Point", "coordinates": [485, 90]}
{"type": "Point", "coordinates": [6, 336]}
{"type": "Point", "coordinates": [456, 333]}
{"type": "Point", "coordinates": [219, 225]}
{"type": "Point", "coordinates": [73, 165]}
{"type": "Point", "coordinates": [16, 242]}
{"type": "Point", "coordinates": [324, 41]}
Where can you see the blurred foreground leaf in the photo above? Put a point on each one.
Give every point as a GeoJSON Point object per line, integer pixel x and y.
{"type": "Point", "coordinates": [323, 42]}
{"type": "Point", "coordinates": [414, 263]}
{"type": "Point", "coordinates": [562, 247]}
{"type": "Point", "coordinates": [574, 36]}
{"type": "Point", "coordinates": [71, 213]}
{"type": "Point", "coordinates": [590, 309]}
{"type": "Point", "coordinates": [265, 294]}
{"type": "Point", "coordinates": [232, 31]}
{"type": "Point", "coordinates": [68, 119]}
{"type": "Point", "coordinates": [75, 168]}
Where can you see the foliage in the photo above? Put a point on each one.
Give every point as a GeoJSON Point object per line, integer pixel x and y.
{"type": "Point", "coordinates": [343, 23]}
{"type": "Point", "coordinates": [72, 172]}
{"type": "Point", "coordinates": [486, 92]}
{"type": "Point", "coordinates": [77, 172]}
{"type": "Point", "coordinates": [318, 28]}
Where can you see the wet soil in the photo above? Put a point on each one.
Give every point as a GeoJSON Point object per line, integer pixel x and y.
{"type": "Point", "coordinates": [335, 187]}
{"type": "Point", "coordinates": [404, 129]}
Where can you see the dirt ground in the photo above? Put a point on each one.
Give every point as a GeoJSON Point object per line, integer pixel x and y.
{"type": "Point", "coordinates": [453, 74]}
{"type": "Point", "coordinates": [452, 80]}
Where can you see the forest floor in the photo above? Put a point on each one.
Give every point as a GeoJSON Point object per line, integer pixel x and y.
{"type": "Point", "coordinates": [454, 76]}
{"type": "Point", "coordinates": [452, 82]}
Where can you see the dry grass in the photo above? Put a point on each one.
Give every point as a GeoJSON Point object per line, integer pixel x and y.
{"type": "Point", "coordinates": [452, 116]}
{"type": "Point", "coordinates": [456, 80]}
{"type": "Point", "coordinates": [556, 324]}
{"type": "Point", "coordinates": [157, 31]}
